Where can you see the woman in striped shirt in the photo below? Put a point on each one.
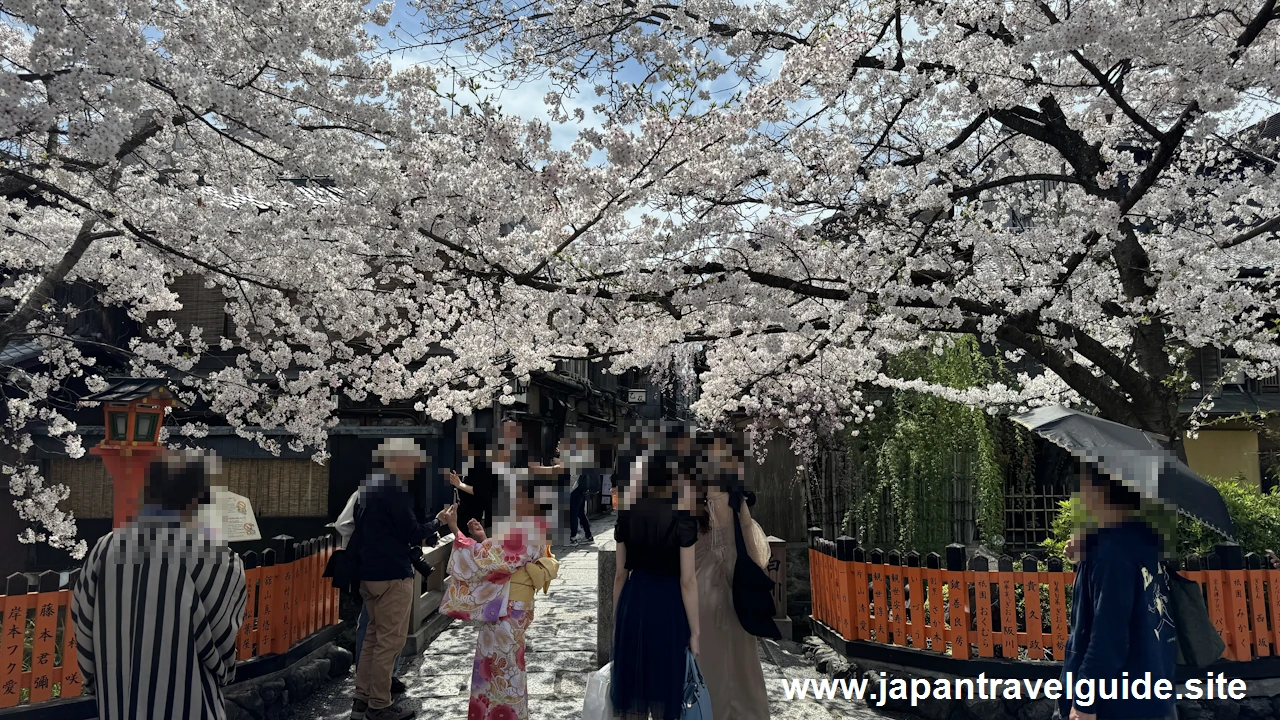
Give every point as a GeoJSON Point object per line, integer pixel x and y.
{"type": "Point", "coordinates": [158, 606]}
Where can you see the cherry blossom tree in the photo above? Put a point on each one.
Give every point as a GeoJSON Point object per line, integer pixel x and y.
{"type": "Point", "coordinates": [788, 191]}
{"type": "Point", "coordinates": [148, 140]}
{"type": "Point", "coordinates": [804, 188]}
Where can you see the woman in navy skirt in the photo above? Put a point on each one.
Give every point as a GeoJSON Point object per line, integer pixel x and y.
{"type": "Point", "coordinates": [655, 591]}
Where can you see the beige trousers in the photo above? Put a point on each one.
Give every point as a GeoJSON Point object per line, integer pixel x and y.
{"type": "Point", "coordinates": [388, 602]}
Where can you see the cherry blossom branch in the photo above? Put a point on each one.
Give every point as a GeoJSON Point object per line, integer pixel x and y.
{"type": "Point", "coordinates": [1265, 15]}
{"type": "Point", "coordinates": [976, 190]}
{"type": "Point", "coordinates": [1271, 226]}
{"type": "Point", "coordinates": [43, 292]}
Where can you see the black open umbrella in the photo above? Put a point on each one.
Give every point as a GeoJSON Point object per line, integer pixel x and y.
{"type": "Point", "coordinates": [1134, 458]}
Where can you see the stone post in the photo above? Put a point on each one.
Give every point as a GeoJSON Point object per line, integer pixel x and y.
{"type": "Point", "coordinates": [606, 565]}
{"type": "Point", "coordinates": [777, 570]}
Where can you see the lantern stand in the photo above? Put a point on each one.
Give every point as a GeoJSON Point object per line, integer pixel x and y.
{"type": "Point", "coordinates": [133, 409]}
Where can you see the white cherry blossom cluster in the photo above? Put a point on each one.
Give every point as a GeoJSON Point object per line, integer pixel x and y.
{"type": "Point", "coordinates": [788, 192]}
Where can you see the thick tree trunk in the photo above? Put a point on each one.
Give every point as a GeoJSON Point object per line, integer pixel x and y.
{"type": "Point", "coordinates": [13, 554]}
{"type": "Point", "coordinates": [1159, 415]}
{"type": "Point", "coordinates": [1176, 432]}
{"type": "Point", "coordinates": [43, 292]}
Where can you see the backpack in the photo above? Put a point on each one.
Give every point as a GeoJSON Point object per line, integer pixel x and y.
{"type": "Point", "coordinates": [1199, 642]}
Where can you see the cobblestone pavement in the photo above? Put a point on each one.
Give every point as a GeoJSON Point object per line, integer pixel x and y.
{"type": "Point", "coordinates": [560, 655]}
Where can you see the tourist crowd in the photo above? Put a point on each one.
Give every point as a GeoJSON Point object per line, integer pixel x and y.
{"type": "Point", "coordinates": [160, 601]}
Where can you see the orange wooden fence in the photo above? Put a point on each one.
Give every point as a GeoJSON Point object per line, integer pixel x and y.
{"type": "Point", "coordinates": [923, 603]}
{"type": "Point", "coordinates": [1243, 600]}
{"type": "Point", "coordinates": [287, 601]}
{"type": "Point", "coordinates": [971, 610]}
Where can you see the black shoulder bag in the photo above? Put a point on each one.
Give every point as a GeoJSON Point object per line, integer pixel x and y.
{"type": "Point", "coordinates": [1199, 643]}
{"type": "Point", "coordinates": [752, 587]}
{"type": "Point", "coordinates": [344, 564]}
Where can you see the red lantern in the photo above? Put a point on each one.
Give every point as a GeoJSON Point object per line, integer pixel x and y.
{"type": "Point", "coordinates": [133, 410]}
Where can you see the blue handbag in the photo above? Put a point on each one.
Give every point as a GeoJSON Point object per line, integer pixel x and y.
{"type": "Point", "coordinates": [697, 698]}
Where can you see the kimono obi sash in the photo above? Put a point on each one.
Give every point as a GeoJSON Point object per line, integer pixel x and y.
{"type": "Point", "coordinates": [533, 577]}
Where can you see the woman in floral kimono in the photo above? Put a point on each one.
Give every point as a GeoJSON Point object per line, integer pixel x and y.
{"type": "Point", "coordinates": [492, 582]}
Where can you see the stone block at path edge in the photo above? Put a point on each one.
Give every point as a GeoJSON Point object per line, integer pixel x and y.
{"type": "Point", "coordinates": [891, 704]}
{"type": "Point", "coordinates": [305, 678]}
{"type": "Point", "coordinates": [340, 660]}
{"type": "Point", "coordinates": [985, 709]}
{"type": "Point", "coordinates": [1223, 709]}
{"type": "Point", "coordinates": [1192, 710]}
{"type": "Point", "coordinates": [245, 706]}
{"type": "Point", "coordinates": [1037, 710]}
{"type": "Point", "coordinates": [347, 638]}
{"type": "Point", "coordinates": [275, 698]}
{"type": "Point", "coordinates": [935, 709]}
{"type": "Point", "coordinates": [1256, 709]}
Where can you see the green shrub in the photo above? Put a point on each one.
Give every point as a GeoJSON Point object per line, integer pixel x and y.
{"type": "Point", "coordinates": [1255, 514]}
{"type": "Point", "coordinates": [1071, 516]}
{"type": "Point", "coordinates": [918, 446]}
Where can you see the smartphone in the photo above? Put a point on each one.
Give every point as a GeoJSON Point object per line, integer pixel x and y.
{"type": "Point", "coordinates": [446, 472]}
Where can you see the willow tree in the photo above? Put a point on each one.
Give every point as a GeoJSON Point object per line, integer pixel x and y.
{"type": "Point", "coordinates": [920, 449]}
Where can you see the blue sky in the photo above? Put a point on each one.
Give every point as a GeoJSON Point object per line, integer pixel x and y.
{"type": "Point", "coordinates": [452, 64]}
{"type": "Point", "coordinates": [525, 99]}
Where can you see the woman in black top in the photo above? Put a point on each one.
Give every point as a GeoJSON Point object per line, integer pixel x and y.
{"type": "Point", "coordinates": [655, 590]}
{"type": "Point", "coordinates": [476, 494]}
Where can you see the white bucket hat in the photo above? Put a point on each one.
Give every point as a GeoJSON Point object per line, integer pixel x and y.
{"type": "Point", "coordinates": [399, 446]}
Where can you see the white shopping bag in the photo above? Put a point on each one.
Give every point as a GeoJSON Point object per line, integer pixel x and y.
{"type": "Point", "coordinates": [597, 705]}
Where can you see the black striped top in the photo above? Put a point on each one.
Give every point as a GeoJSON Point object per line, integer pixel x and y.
{"type": "Point", "coordinates": [156, 611]}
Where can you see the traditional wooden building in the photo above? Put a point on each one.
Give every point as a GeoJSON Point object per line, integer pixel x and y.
{"type": "Point", "coordinates": [293, 494]}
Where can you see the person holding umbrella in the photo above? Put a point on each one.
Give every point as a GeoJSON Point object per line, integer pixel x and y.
{"type": "Point", "coordinates": [1122, 619]}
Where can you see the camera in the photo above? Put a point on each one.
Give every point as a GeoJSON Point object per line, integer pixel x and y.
{"type": "Point", "coordinates": [419, 560]}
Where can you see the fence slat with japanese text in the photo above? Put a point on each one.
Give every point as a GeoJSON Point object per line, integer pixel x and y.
{"type": "Point", "coordinates": [38, 648]}
{"type": "Point", "coordinates": [1017, 610]}
{"type": "Point", "coordinates": [38, 651]}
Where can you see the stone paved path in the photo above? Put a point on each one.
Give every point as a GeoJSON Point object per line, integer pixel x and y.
{"type": "Point", "coordinates": [560, 654]}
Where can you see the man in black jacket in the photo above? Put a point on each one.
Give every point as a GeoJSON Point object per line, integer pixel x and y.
{"type": "Point", "coordinates": [387, 528]}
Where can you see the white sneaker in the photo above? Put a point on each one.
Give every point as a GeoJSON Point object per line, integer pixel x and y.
{"type": "Point", "coordinates": [573, 541]}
